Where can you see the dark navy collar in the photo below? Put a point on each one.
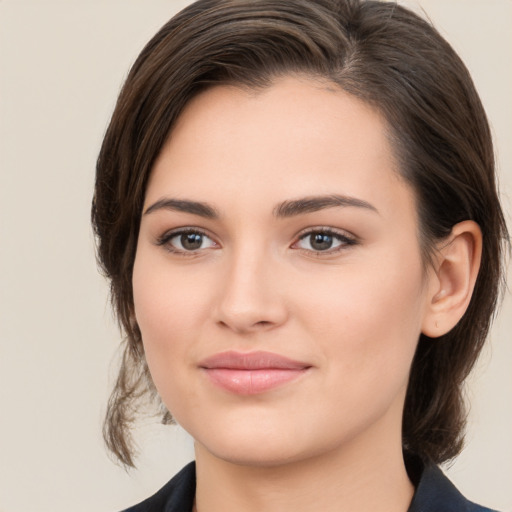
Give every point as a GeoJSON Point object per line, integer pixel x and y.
{"type": "Point", "coordinates": [434, 492]}
{"type": "Point", "coordinates": [177, 495]}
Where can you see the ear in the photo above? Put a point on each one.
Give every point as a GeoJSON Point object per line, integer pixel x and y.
{"type": "Point", "coordinates": [453, 278]}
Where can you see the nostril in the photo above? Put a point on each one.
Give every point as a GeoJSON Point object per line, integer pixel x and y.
{"type": "Point", "coordinates": [262, 324]}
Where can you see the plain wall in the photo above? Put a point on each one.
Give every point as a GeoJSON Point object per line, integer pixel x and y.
{"type": "Point", "coordinates": [61, 66]}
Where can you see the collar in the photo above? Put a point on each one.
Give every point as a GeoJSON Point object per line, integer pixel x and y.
{"type": "Point", "coordinates": [434, 492]}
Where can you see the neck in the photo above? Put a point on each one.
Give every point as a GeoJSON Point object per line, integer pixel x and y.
{"type": "Point", "coordinates": [365, 475]}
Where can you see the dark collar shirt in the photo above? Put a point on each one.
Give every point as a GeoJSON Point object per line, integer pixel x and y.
{"type": "Point", "coordinates": [434, 493]}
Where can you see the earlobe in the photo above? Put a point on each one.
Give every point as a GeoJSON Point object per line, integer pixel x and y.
{"type": "Point", "coordinates": [456, 270]}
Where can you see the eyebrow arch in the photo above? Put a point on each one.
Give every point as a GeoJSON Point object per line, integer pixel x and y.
{"type": "Point", "coordinates": [285, 209]}
{"type": "Point", "coordinates": [316, 203]}
{"type": "Point", "coordinates": [184, 205]}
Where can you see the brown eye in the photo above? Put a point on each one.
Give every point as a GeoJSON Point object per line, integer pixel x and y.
{"type": "Point", "coordinates": [186, 241]}
{"type": "Point", "coordinates": [324, 241]}
{"type": "Point", "coordinates": [191, 241]}
{"type": "Point", "coordinates": [320, 241]}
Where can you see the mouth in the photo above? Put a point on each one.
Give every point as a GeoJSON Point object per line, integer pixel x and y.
{"type": "Point", "coordinates": [251, 373]}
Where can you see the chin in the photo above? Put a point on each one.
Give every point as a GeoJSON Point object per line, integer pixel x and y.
{"type": "Point", "coordinates": [249, 443]}
{"type": "Point", "coordinates": [253, 455]}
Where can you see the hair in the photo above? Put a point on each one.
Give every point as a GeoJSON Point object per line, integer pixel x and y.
{"type": "Point", "coordinates": [379, 52]}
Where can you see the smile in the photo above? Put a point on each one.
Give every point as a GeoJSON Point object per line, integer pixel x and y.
{"type": "Point", "coordinates": [251, 373]}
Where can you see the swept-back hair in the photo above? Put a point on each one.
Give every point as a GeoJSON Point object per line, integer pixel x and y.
{"type": "Point", "coordinates": [377, 51]}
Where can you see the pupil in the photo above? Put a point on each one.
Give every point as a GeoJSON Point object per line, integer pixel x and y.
{"type": "Point", "coordinates": [321, 241]}
{"type": "Point", "coordinates": [191, 241]}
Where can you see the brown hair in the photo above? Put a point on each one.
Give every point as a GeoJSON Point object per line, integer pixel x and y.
{"type": "Point", "coordinates": [377, 51]}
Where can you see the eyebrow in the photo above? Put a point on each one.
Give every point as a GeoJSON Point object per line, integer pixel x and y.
{"type": "Point", "coordinates": [317, 203]}
{"type": "Point", "coordinates": [184, 205]}
{"type": "Point", "coordinates": [285, 209]}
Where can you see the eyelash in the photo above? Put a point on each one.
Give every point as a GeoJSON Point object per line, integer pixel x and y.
{"type": "Point", "coordinates": [165, 239]}
{"type": "Point", "coordinates": [342, 237]}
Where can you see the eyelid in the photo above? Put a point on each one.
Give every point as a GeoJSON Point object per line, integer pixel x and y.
{"type": "Point", "coordinates": [348, 239]}
{"type": "Point", "coordinates": [164, 239]}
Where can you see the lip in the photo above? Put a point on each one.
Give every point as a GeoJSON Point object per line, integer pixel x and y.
{"type": "Point", "coordinates": [251, 373]}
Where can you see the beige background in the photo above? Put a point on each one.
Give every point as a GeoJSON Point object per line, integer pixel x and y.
{"type": "Point", "coordinates": [61, 66]}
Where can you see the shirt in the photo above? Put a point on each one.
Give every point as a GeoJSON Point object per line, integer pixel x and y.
{"type": "Point", "coordinates": [434, 493]}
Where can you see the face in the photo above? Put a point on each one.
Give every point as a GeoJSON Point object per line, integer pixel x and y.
{"type": "Point", "coordinates": [278, 282]}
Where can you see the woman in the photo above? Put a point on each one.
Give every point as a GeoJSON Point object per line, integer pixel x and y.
{"type": "Point", "coordinates": [296, 206]}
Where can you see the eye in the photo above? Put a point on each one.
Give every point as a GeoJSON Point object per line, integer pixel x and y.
{"type": "Point", "coordinates": [324, 240]}
{"type": "Point", "coordinates": [186, 241]}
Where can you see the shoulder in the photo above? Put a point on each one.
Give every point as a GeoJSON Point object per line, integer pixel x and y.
{"type": "Point", "coordinates": [435, 493]}
{"type": "Point", "coordinates": [177, 495]}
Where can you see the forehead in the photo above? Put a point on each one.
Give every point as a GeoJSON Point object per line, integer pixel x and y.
{"type": "Point", "coordinates": [297, 137]}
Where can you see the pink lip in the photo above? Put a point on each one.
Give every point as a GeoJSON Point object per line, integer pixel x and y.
{"type": "Point", "coordinates": [251, 373]}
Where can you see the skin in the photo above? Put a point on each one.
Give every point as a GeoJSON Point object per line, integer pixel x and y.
{"type": "Point", "coordinates": [353, 312]}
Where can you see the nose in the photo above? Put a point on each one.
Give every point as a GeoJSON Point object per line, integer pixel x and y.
{"type": "Point", "coordinates": [251, 297]}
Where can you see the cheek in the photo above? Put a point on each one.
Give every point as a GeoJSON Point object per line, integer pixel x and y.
{"type": "Point", "coordinates": [167, 298]}
{"type": "Point", "coordinates": [167, 306]}
{"type": "Point", "coordinates": [369, 320]}
{"type": "Point", "coordinates": [367, 332]}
